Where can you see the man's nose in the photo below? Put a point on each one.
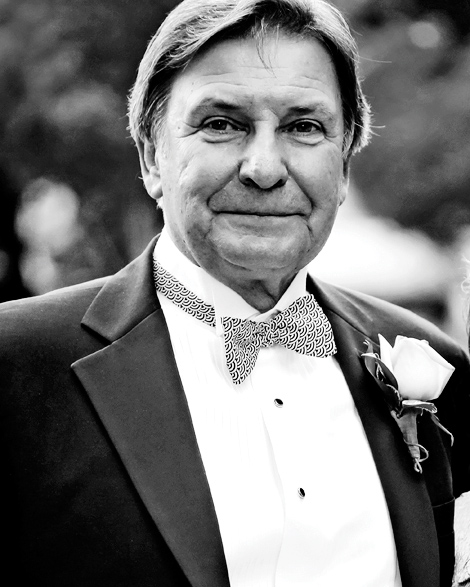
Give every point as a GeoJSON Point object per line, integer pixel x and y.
{"type": "Point", "coordinates": [263, 165]}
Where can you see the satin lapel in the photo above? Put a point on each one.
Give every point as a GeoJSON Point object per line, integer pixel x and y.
{"type": "Point", "coordinates": [135, 388]}
{"type": "Point", "coordinates": [405, 491]}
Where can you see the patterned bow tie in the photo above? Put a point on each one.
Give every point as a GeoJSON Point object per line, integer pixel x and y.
{"type": "Point", "coordinates": [302, 327]}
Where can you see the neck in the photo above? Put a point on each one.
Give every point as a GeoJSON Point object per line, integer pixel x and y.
{"type": "Point", "coordinates": [260, 287]}
{"type": "Point", "coordinates": [261, 294]}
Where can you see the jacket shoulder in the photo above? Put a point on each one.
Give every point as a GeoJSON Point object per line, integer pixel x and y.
{"type": "Point", "coordinates": [58, 310]}
{"type": "Point", "coordinates": [373, 316]}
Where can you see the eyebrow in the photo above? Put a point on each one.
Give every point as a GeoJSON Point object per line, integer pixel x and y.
{"type": "Point", "coordinates": [315, 108]}
{"type": "Point", "coordinates": [215, 103]}
{"type": "Point", "coordinates": [318, 109]}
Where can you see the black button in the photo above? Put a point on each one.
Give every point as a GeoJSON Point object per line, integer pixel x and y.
{"type": "Point", "coordinates": [278, 403]}
{"type": "Point", "coordinates": [301, 492]}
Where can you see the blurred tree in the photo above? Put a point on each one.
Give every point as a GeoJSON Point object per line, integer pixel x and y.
{"type": "Point", "coordinates": [416, 59]}
{"type": "Point", "coordinates": [67, 69]}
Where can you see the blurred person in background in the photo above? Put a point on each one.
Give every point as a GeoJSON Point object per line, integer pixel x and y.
{"type": "Point", "coordinates": [212, 415]}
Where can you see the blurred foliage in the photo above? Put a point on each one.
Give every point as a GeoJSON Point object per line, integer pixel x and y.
{"type": "Point", "coordinates": [66, 67]}
{"type": "Point", "coordinates": [416, 63]}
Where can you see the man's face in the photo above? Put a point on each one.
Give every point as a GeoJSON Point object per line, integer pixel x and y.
{"type": "Point", "coordinates": [249, 158]}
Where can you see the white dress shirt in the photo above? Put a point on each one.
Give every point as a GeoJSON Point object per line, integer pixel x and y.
{"type": "Point", "coordinates": [292, 478]}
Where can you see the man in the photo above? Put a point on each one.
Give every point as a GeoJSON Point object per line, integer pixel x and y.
{"type": "Point", "coordinates": [147, 439]}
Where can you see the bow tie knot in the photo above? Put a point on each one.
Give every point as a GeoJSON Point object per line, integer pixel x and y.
{"type": "Point", "coordinates": [302, 327]}
{"type": "Point", "coordinates": [243, 331]}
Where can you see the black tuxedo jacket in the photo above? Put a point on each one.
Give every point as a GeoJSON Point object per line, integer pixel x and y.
{"type": "Point", "coordinates": [102, 481]}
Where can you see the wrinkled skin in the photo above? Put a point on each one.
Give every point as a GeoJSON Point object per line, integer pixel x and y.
{"type": "Point", "coordinates": [248, 166]}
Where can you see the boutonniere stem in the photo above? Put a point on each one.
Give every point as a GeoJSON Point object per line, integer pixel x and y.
{"type": "Point", "coordinates": [410, 374]}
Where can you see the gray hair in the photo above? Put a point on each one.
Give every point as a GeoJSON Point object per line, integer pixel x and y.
{"type": "Point", "coordinates": [194, 25]}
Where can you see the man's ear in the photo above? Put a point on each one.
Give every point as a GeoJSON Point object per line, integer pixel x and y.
{"type": "Point", "coordinates": [149, 168]}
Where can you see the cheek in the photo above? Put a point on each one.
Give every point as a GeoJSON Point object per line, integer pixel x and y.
{"type": "Point", "coordinates": [322, 181]}
{"type": "Point", "coordinates": [206, 172]}
{"type": "Point", "coordinates": [212, 168]}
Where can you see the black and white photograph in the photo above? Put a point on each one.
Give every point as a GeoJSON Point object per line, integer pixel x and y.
{"type": "Point", "coordinates": [235, 293]}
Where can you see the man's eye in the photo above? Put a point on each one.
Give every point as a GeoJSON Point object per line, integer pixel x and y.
{"type": "Point", "coordinates": [305, 127]}
{"type": "Point", "coordinates": [220, 125]}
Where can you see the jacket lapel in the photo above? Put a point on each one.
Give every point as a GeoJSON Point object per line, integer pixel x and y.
{"type": "Point", "coordinates": [135, 388]}
{"type": "Point", "coordinates": [405, 490]}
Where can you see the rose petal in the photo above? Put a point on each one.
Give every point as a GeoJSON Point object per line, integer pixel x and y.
{"type": "Point", "coordinates": [386, 351]}
{"type": "Point", "coordinates": [419, 373]}
{"type": "Point", "coordinates": [433, 354]}
{"type": "Point", "coordinates": [443, 373]}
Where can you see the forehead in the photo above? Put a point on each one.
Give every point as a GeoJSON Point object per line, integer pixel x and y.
{"type": "Point", "coordinates": [282, 72]}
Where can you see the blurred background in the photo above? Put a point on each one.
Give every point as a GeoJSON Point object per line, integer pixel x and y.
{"type": "Point", "coordinates": [72, 205]}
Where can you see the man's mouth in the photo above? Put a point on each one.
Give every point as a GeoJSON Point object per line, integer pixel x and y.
{"type": "Point", "coordinates": [271, 221]}
{"type": "Point", "coordinates": [259, 214]}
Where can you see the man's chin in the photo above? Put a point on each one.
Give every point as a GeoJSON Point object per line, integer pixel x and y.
{"type": "Point", "coordinates": [260, 256]}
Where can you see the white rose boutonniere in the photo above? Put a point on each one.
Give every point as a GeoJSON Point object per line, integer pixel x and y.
{"type": "Point", "coordinates": [411, 374]}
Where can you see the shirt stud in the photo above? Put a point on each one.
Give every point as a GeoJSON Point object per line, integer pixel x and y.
{"type": "Point", "coordinates": [278, 403]}
{"type": "Point", "coordinates": [301, 492]}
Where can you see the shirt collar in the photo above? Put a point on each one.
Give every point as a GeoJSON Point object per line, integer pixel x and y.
{"type": "Point", "coordinates": [224, 300]}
